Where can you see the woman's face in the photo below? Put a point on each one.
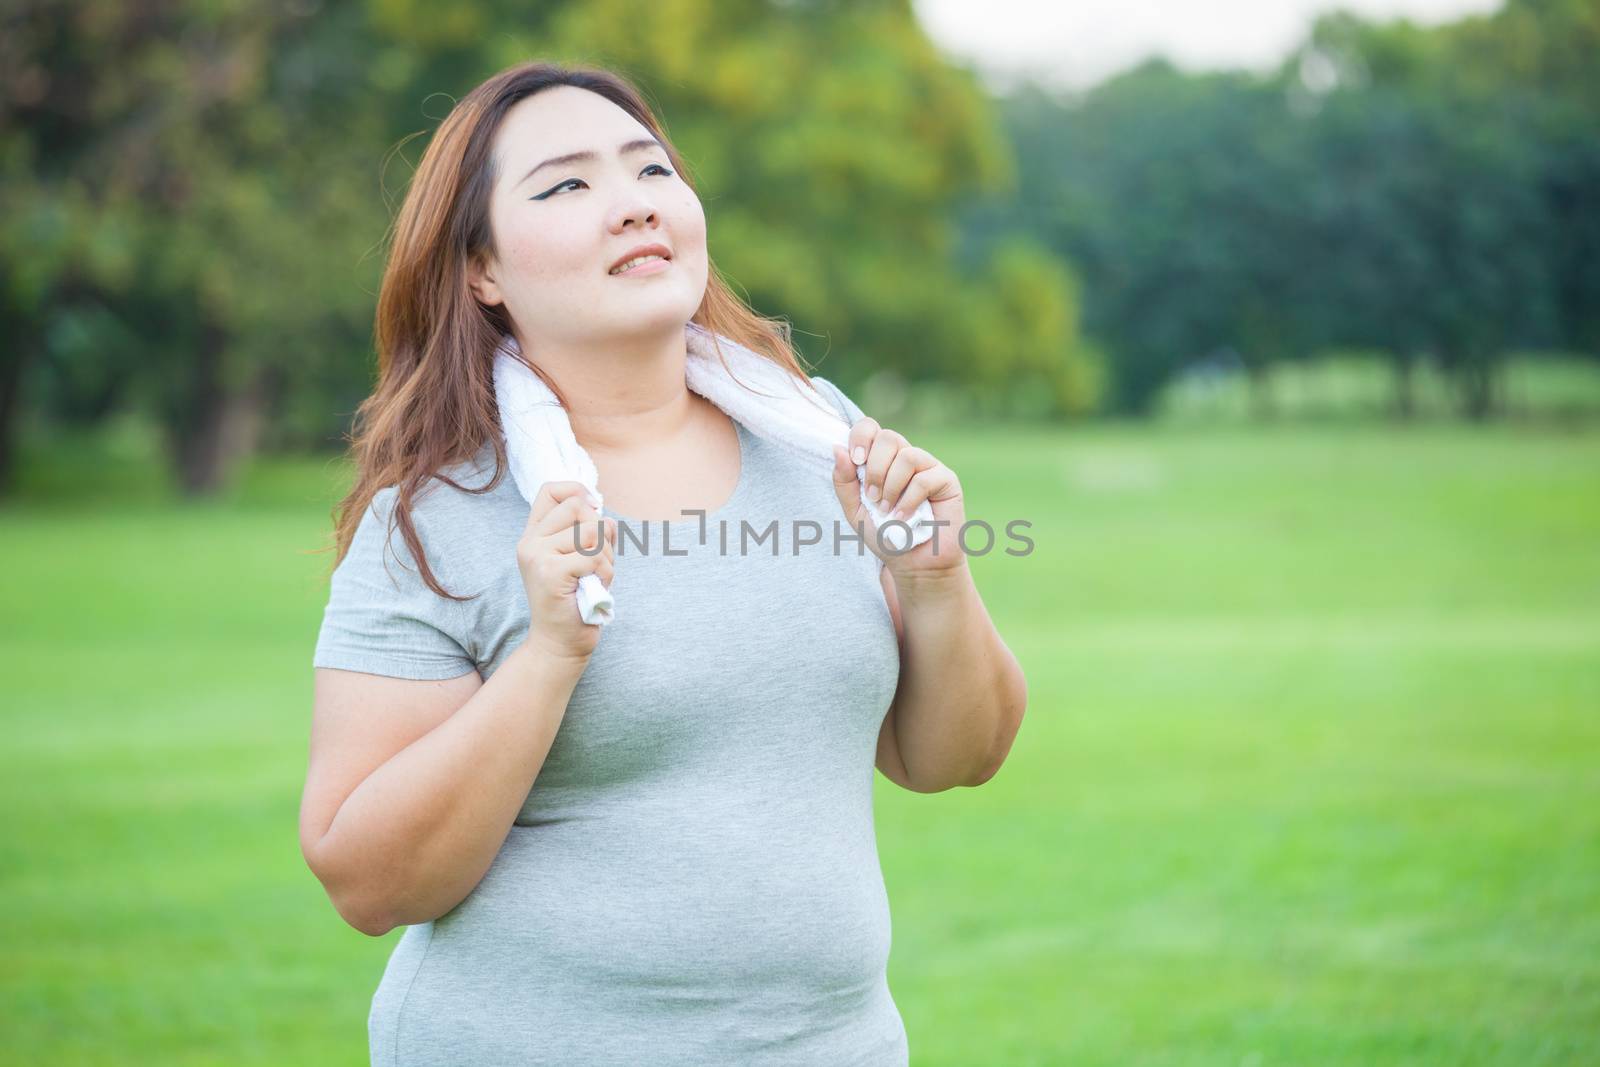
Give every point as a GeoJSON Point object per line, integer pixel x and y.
{"type": "Point", "coordinates": [560, 229]}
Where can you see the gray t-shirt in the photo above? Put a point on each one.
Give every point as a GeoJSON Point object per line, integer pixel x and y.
{"type": "Point", "coordinates": [694, 877]}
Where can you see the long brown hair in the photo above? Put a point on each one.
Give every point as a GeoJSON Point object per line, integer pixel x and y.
{"type": "Point", "coordinates": [434, 404]}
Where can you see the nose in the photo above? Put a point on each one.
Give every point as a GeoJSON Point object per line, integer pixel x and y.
{"type": "Point", "coordinates": [634, 207]}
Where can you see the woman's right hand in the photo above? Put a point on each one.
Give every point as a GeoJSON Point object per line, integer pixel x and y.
{"type": "Point", "coordinates": [548, 557]}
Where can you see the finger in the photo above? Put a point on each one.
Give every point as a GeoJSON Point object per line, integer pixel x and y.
{"type": "Point", "coordinates": [592, 534]}
{"type": "Point", "coordinates": [585, 537]}
{"type": "Point", "coordinates": [933, 485]}
{"type": "Point", "coordinates": [606, 556]}
{"type": "Point", "coordinates": [886, 444]}
{"type": "Point", "coordinates": [576, 564]}
{"type": "Point", "coordinates": [586, 559]}
{"type": "Point", "coordinates": [605, 562]}
{"type": "Point", "coordinates": [861, 435]}
{"type": "Point", "coordinates": [553, 493]}
{"type": "Point", "coordinates": [556, 531]}
{"type": "Point", "coordinates": [558, 526]}
{"type": "Point", "coordinates": [906, 463]}
{"type": "Point", "coordinates": [561, 508]}
{"type": "Point", "coordinates": [846, 483]}
{"type": "Point", "coordinates": [608, 538]}
{"type": "Point", "coordinates": [567, 570]}
{"type": "Point", "coordinates": [916, 491]}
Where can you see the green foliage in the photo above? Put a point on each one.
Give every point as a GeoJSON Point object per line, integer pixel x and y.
{"type": "Point", "coordinates": [196, 202]}
{"type": "Point", "coordinates": [1020, 331]}
{"type": "Point", "coordinates": [1431, 193]}
{"type": "Point", "coordinates": [833, 143]}
{"type": "Point", "coordinates": [186, 159]}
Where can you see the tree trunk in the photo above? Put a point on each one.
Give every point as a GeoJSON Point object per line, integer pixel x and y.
{"type": "Point", "coordinates": [1261, 392]}
{"type": "Point", "coordinates": [21, 336]}
{"type": "Point", "coordinates": [1477, 378]}
{"type": "Point", "coordinates": [221, 426]}
{"type": "Point", "coordinates": [1405, 387]}
{"type": "Point", "coordinates": [18, 350]}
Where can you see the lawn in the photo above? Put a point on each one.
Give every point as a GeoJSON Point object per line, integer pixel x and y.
{"type": "Point", "coordinates": [1310, 773]}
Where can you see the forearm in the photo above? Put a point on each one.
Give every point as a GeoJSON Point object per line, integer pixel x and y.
{"type": "Point", "coordinates": [420, 832]}
{"type": "Point", "coordinates": [961, 693]}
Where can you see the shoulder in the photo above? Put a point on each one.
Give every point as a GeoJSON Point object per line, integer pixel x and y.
{"type": "Point", "coordinates": [380, 552]}
{"type": "Point", "coordinates": [458, 525]}
{"type": "Point", "coordinates": [847, 407]}
{"type": "Point", "coordinates": [466, 495]}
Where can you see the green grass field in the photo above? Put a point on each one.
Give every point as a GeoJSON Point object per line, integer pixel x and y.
{"type": "Point", "coordinates": [1310, 772]}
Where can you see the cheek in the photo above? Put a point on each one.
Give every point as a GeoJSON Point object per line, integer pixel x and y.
{"type": "Point", "coordinates": [543, 254]}
{"type": "Point", "coordinates": [689, 218]}
{"type": "Point", "coordinates": [543, 250]}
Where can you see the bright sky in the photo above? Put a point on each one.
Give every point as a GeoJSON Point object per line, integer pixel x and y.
{"type": "Point", "coordinates": [1076, 43]}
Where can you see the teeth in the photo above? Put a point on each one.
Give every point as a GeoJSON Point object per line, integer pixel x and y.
{"type": "Point", "coordinates": [634, 263]}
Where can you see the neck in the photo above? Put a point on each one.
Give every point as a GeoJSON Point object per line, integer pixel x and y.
{"type": "Point", "coordinates": [623, 394]}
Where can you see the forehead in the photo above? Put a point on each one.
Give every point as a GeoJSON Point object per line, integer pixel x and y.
{"type": "Point", "coordinates": [557, 121]}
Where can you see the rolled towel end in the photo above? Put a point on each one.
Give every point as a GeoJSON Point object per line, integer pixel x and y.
{"type": "Point", "coordinates": [595, 603]}
{"type": "Point", "coordinates": [895, 533]}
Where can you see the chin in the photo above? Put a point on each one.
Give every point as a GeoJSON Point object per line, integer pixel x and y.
{"type": "Point", "coordinates": [656, 321]}
{"type": "Point", "coordinates": [663, 313]}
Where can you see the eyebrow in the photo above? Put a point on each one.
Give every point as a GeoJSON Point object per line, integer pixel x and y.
{"type": "Point", "coordinates": [589, 156]}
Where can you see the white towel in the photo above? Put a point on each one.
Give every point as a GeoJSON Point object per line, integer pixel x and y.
{"type": "Point", "coordinates": [540, 446]}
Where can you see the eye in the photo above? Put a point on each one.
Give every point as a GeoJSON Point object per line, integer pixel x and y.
{"type": "Point", "coordinates": [579, 181]}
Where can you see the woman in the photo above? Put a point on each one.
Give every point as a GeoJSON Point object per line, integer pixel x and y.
{"type": "Point", "coordinates": [650, 842]}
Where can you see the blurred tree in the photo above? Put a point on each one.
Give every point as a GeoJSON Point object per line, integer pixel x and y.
{"type": "Point", "coordinates": [833, 144]}
{"type": "Point", "coordinates": [194, 192]}
{"type": "Point", "coordinates": [1426, 192]}
{"type": "Point", "coordinates": [1182, 200]}
{"type": "Point", "coordinates": [1551, 49]}
{"type": "Point", "coordinates": [171, 162]}
{"type": "Point", "coordinates": [1431, 214]}
{"type": "Point", "coordinates": [1018, 333]}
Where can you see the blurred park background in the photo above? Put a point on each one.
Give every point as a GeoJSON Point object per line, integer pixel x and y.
{"type": "Point", "coordinates": [1295, 371]}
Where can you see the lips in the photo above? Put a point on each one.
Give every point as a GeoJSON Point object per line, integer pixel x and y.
{"type": "Point", "coordinates": [643, 250]}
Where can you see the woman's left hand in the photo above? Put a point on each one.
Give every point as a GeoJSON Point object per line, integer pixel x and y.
{"type": "Point", "coordinates": [903, 476]}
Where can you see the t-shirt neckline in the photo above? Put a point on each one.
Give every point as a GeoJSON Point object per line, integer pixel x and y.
{"type": "Point", "coordinates": [732, 504]}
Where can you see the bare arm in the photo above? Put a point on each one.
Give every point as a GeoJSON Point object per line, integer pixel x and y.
{"type": "Point", "coordinates": [962, 693]}
{"type": "Point", "coordinates": [413, 785]}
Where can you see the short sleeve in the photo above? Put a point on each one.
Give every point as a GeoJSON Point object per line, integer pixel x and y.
{"type": "Point", "coordinates": [846, 406]}
{"type": "Point", "coordinates": [381, 616]}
